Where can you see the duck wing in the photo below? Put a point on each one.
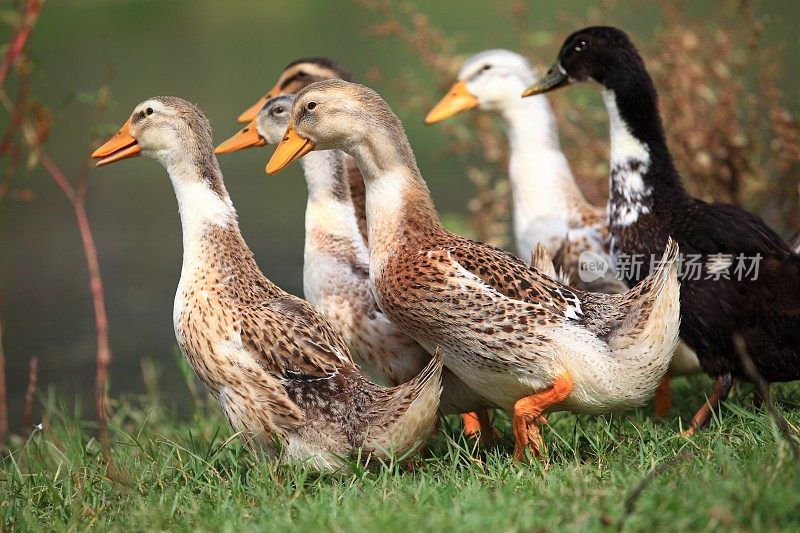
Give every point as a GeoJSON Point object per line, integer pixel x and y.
{"type": "Point", "coordinates": [724, 228]}
{"type": "Point", "coordinates": [509, 276]}
{"type": "Point", "coordinates": [289, 338]}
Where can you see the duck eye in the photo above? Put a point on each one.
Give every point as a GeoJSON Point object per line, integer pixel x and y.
{"type": "Point", "coordinates": [301, 74]}
{"type": "Point", "coordinates": [581, 45]}
{"type": "Point", "coordinates": [148, 111]}
{"type": "Point", "coordinates": [487, 67]}
{"type": "Point", "coordinates": [311, 105]}
{"type": "Point", "coordinates": [277, 111]}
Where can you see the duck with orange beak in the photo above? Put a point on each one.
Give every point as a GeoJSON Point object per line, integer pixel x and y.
{"type": "Point", "coordinates": [517, 336]}
{"type": "Point", "coordinates": [296, 75]}
{"type": "Point", "coordinates": [281, 372]}
{"type": "Point", "coordinates": [336, 269]}
{"type": "Point", "coordinates": [549, 207]}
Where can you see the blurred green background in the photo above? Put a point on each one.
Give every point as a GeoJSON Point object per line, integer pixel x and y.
{"type": "Point", "coordinates": [222, 56]}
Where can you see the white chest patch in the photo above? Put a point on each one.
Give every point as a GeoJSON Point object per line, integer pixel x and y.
{"type": "Point", "coordinates": [629, 196]}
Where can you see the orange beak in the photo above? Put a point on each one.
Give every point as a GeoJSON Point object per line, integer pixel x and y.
{"type": "Point", "coordinates": [248, 137]}
{"type": "Point", "coordinates": [251, 112]}
{"type": "Point", "coordinates": [291, 148]}
{"type": "Point", "coordinates": [121, 146]}
{"type": "Point", "coordinates": [457, 99]}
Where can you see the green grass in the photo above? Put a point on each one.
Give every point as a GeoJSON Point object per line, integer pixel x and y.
{"type": "Point", "coordinates": [190, 473]}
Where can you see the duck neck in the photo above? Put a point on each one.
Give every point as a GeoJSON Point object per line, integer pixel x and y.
{"type": "Point", "coordinates": [400, 211]}
{"type": "Point", "coordinates": [206, 212]}
{"type": "Point", "coordinates": [542, 184]}
{"type": "Point", "coordinates": [641, 167]}
{"type": "Point", "coordinates": [329, 210]}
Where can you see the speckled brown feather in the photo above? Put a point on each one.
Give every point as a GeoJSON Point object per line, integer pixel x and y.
{"type": "Point", "coordinates": [336, 269]}
{"type": "Point", "coordinates": [504, 328]}
{"type": "Point", "coordinates": [282, 374]}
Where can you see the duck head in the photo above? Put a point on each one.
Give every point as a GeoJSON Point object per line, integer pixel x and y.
{"type": "Point", "coordinates": [600, 53]}
{"type": "Point", "coordinates": [267, 128]}
{"type": "Point", "coordinates": [335, 114]}
{"type": "Point", "coordinates": [297, 75]}
{"type": "Point", "coordinates": [164, 128]}
{"type": "Point", "coordinates": [491, 80]}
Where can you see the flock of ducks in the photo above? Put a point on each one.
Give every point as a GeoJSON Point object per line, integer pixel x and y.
{"type": "Point", "coordinates": [403, 320]}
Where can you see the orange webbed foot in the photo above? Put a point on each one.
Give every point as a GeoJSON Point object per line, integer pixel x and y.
{"type": "Point", "coordinates": [528, 413]}
{"type": "Point", "coordinates": [478, 426]}
{"type": "Point", "coordinates": [527, 434]}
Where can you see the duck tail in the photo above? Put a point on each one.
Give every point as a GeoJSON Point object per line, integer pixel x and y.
{"type": "Point", "coordinates": [649, 333]}
{"type": "Point", "coordinates": [403, 418]}
{"type": "Point", "coordinates": [541, 261]}
{"type": "Point", "coordinates": [580, 248]}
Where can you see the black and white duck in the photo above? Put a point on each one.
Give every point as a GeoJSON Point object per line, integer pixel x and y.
{"type": "Point", "coordinates": [739, 276]}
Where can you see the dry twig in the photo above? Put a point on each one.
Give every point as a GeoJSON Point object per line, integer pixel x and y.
{"type": "Point", "coordinates": [33, 130]}
{"type": "Point", "coordinates": [639, 488]}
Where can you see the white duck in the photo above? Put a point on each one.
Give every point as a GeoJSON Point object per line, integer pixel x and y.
{"type": "Point", "coordinates": [549, 208]}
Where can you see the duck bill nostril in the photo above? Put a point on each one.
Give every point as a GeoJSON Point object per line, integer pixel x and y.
{"type": "Point", "coordinates": [248, 137]}
{"type": "Point", "coordinates": [555, 78]}
{"type": "Point", "coordinates": [121, 146]}
{"type": "Point", "coordinates": [291, 148]}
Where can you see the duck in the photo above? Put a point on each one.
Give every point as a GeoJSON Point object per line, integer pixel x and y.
{"type": "Point", "coordinates": [518, 337]}
{"type": "Point", "coordinates": [720, 299]}
{"type": "Point", "coordinates": [296, 75]}
{"type": "Point", "coordinates": [336, 273]}
{"type": "Point", "coordinates": [280, 371]}
{"type": "Point", "coordinates": [549, 207]}
{"type": "Point", "coordinates": [335, 262]}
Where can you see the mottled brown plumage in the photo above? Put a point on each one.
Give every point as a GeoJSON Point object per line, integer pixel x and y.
{"type": "Point", "coordinates": [282, 374]}
{"type": "Point", "coordinates": [508, 331]}
{"type": "Point", "coordinates": [548, 206]}
{"type": "Point", "coordinates": [336, 260]}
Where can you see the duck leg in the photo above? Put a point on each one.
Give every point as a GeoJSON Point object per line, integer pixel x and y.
{"type": "Point", "coordinates": [719, 391]}
{"type": "Point", "coordinates": [528, 412]}
{"type": "Point", "coordinates": [478, 425]}
{"type": "Point", "coordinates": [760, 397]}
{"type": "Point", "coordinates": [663, 404]}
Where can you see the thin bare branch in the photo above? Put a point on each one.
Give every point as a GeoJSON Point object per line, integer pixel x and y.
{"type": "Point", "coordinates": [30, 15]}
{"type": "Point", "coordinates": [98, 294]}
{"type": "Point", "coordinates": [635, 493]}
{"type": "Point", "coordinates": [75, 191]}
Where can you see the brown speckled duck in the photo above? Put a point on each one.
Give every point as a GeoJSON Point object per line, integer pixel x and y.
{"type": "Point", "coordinates": [283, 376]}
{"type": "Point", "coordinates": [336, 261]}
{"type": "Point", "coordinates": [518, 337]}
{"type": "Point", "coordinates": [297, 75]}
{"type": "Point", "coordinates": [336, 270]}
{"type": "Point", "coordinates": [549, 207]}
